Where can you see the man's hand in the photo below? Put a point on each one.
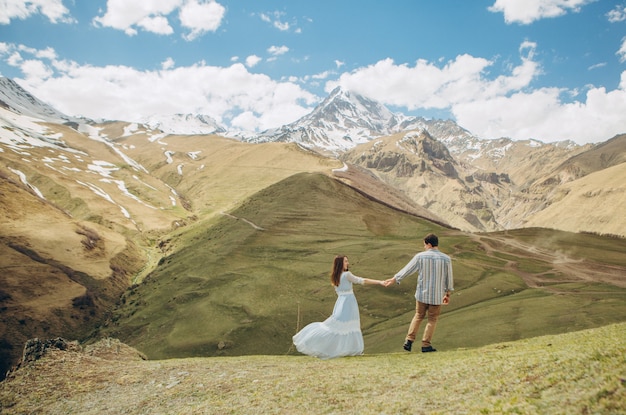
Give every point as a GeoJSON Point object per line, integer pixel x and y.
{"type": "Point", "coordinates": [446, 299]}
{"type": "Point", "coordinates": [389, 282]}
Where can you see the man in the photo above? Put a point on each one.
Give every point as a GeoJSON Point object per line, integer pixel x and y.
{"type": "Point", "coordinates": [434, 284]}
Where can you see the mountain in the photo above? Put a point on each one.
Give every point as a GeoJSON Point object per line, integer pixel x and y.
{"type": "Point", "coordinates": [15, 98]}
{"type": "Point", "coordinates": [339, 122]}
{"type": "Point", "coordinates": [601, 156]}
{"type": "Point", "coordinates": [588, 204]}
{"type": "Point", "coordinates": [184, 124]}
{"type": "Point", "coordinates": [424, 169]}
{"type": "Point", "coordinates": [120, 228]}
{"type": "Point", "coordinates": [588, 186]}
{"type": "Point", "coordinates": [88, 212]}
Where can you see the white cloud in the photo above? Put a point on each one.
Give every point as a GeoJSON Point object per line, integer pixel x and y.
{"type": "Point", "coordinates": [492, 107]}
{"type": "Point", "coordinates": [123, 15]}
{"type": "Point", "coordinates": [422, 86]}
{"type": "Point", "coordinates": [322, 75]}
{"type": "Point", "coordinates": [597, 65]}
{"type": "Point", "coordinates": [543, 116]}
{"type": "Point", "coordinates": [528, 11]}
{"type": "Point", "coordinates": [199, 16]}
{"type": "Point", "coordinates": [618, 14]}
{"type": "Point", "coordinates": [282, 26]}
{"type": "Point", "coordinates": [155, 24]}
{"type": "Point", "coordinates": [488, 105]}
{"type": "Point", "coordinates": [275, 19]}
{"type": "Point", "coordinates": [167, 64]}
{"type": "Point", "coordinates": [622, 51]}
{"type": "Point", "coordinates": [253, 60]}
{"type": "Point", "coordinates": [229, 94]}
{"type": "Point", "coordinates": [54, 10]}
{"type": "Point", "coordinates": [35, 69]}
{"type": "Point", "coordinates": [277, 50]}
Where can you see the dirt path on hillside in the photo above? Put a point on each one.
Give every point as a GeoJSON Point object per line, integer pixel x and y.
{"type": "Point", "coordinates": [563, 266]}
{"type": "Point", "coordinates": [254, 225]}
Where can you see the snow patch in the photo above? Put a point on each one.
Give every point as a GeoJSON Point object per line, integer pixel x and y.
{"type": "Point", "coordinates": [22, 177]}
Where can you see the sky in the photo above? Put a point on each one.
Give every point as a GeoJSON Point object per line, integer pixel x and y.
{"type": "Point", "coordinates": [550, 70]}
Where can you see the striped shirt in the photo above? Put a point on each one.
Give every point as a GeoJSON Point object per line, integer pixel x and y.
{"type": "Point", "coordinates": [434, 278]}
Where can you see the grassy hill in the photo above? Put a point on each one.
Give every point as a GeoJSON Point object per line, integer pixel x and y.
{"type": "Point", "coordinates": [582, 372]}
{"type": "Point", "coordinates": [244, 283]}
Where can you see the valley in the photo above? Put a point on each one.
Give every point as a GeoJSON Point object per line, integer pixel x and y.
{"type": "Point", "coordinates": [185, 245]}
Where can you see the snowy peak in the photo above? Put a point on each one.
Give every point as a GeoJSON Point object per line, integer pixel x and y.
{"type": "Point", "coordinates": [184, 124]}
{"type": "Point", "coordinates": [341, 121]}
{"type": "Point", "coordinates": [349, 110]}
{"type": "Point", "coordinates": [16, 99]}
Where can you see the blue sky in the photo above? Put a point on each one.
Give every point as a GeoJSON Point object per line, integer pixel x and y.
{"type": "Point", "coordinates": [544, 69]}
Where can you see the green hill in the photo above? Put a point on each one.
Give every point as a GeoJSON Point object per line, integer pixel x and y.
{"type": "Point", "coordinates": [243, 283]}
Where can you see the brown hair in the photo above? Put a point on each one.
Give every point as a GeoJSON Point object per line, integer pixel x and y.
{"type": "Point", "coordinates": [335, 274]}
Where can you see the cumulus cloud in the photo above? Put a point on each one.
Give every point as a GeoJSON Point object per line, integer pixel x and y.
{"type": "Point", "coordinates": [125, 15]}
{"type": "Point", "coordinates": [277, 50]}
{"type": "Point", "coordinates": [54, 10]}
{"type": "Point", "coordinates": [618, 14]}
{"type": "Point", "coordinates": [493, 107]}
{"type": "Point", "coordinates": [167, 64]}
{"type": "Point", "coordinates": [528, 11]}
{"type": "Point", "coordinates": [198, 16]}
{"type": "Point", "coordinates": [541, 114]}
{"type": "Point", "coordinates": [490, 106]}
{"type": "Point", "coordinates": [253, 60]}
{"type": "Point", "coordinates": [201, 17]}
{"type": "Point", "coordinates": [230, 94]}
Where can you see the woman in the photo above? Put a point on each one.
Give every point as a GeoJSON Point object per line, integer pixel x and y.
{"type": "Point", "coordinates": [340, 334]}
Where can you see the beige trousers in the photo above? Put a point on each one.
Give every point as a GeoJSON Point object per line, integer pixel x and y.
{"type": "Point", "coordinates": [421, 309]}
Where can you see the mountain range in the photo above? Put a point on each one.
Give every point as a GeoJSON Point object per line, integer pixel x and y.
{"type": "Point", "coordinates": [103, 212]}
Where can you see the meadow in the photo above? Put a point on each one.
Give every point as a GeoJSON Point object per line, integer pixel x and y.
{"type": "Point", "coordinates": [581, 372]}
{"type": "Point", "coordinates": [244, 283]}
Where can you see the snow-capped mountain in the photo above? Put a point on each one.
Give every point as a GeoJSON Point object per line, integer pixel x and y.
{"type": "Point", "coordinates": [20, 101]}
{"type": "Point", "coordinates": [345, 119]}
{"type": "Point", "coordinates": [184, 124]}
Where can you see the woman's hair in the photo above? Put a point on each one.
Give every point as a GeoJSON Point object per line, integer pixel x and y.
{"type": "Point", "coordinates": [335, 275]}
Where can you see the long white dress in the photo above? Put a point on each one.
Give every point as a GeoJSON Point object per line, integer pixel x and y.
{"type": "Point", "coordinates": [340, 334]}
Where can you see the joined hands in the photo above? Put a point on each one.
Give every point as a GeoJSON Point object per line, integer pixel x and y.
{"type": "Point", "coordinates": [387, 283]}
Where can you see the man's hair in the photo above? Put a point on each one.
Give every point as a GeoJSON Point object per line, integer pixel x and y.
{"type": "Point", "coordinates": [431, 239]}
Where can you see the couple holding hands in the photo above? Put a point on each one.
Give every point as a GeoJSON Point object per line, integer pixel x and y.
{"type": "Point", "coordinates": [340, 334]}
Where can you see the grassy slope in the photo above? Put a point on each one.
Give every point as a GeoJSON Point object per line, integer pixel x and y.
{"type": "Point", "coordinates": [576, 373]}
{"type": "Point", "coordinates": [233, 289]}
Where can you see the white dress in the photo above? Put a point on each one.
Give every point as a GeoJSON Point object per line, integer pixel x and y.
{"type": "Point", "coordinates": [340, 334]}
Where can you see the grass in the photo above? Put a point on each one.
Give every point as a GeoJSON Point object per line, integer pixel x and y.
{"type": "Point", "coordinates": [227, 288]}
{"type": "Point", "coordinates": [581, 372]}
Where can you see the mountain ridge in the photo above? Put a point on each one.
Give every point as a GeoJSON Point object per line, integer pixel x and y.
{"type": "Point", "coordinates": [107, 203]}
